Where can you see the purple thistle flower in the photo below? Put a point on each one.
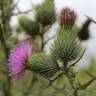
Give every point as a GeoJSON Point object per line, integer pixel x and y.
{"type": "Point", "coordinates": [18, 59]}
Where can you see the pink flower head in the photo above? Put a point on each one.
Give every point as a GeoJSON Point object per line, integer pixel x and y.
{"type": "Point", "coordinates": [67, 17]}
{"type": "Point", "coordinates": [18, 59]}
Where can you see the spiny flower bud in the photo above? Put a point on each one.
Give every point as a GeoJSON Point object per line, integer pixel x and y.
{"type": "Point", "coordinates": [67, 17]}
{"type": "Point", "coordinates": [66, 47]}
{"type": "Point", "coordinates": [43, 65]}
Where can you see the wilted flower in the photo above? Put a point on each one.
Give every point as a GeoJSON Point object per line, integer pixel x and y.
{"type": "Point", "coordinates": [67, 17]}
{"type": "Point", "coordinates": [18, 59]}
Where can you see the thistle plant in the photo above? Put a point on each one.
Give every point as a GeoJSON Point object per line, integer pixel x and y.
{"type": "Point", "coordinates": [65, 52]}
{"type": "Point", "coordinates": [66, 48]}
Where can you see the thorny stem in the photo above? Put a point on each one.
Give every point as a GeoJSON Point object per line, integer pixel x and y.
{"type": "Point", "coordinates": [67, 70]}
{"type": "Point", "coordinates": [42, 37]}
{"type": "Point", "coordinates": [3, 23]}
{"type": "Point", "coordinates": [2, 30]}
{"type": "Point", "coordinates": [3, 42]}
{"type": "Point", "coordinates": [5, 88]}
{"type": "Point", "coordinates": [70, 80]}
{"type": "Point", "coordinates": [42, 42]}
{"type": "Point", "coordinates": [69, 76]}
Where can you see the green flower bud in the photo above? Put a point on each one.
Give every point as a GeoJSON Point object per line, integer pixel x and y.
{"type": "Point", "coordinates": [43, 65]}
{"type": "Point", "coordinates": [31, 27]}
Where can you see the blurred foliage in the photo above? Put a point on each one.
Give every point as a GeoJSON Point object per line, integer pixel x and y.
{"type": "Point", "coordinates": [45, 13]}
{"type": "Point", "coordinates": [5, 16]}
{"type": "Point", "coordinates": [83, 33]}
{"type": "Point", "coordinates": [31, 27]}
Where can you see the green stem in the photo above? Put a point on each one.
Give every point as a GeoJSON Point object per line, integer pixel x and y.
{"type": "Point", "coordinates": [3, 29]}
{"type": "Point", "coordinates": [3, 42]}
{"type": "Point", "coordinates": [42, 37]}
{"type": "Point", "coordinates": [71, 79]}
{"type": "Point", "coordinates": [42, 43]}
{"type": "Point", "coordinates": [6, 88]}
